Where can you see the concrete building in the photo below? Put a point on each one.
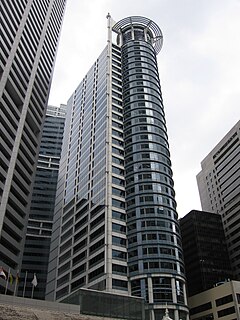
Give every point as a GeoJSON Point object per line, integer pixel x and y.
{"type": "Point", "coordinates": [115, 225]}
{"type": "Point", "coordinates": [205, 251]}
{"type": "Point", "coordinates": [221, 302]}
{"type": "Point", "coordinates": [39, 229]}
{"type": "Point", "coordinates": [29, 36]}
{"type": "Point", "coordinates": [219, 189]}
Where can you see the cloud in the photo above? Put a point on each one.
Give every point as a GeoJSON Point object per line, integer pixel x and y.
{"type": "Point", "coordinates": [199, 69]}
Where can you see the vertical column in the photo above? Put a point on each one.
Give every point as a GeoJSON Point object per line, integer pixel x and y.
{"type": "Point", "coordinates": [176, 315]}
{"type": "Point", "coordinates": [150, 290]}
{"type": "Point", "coordinates": [174, 290]}
{"type": "Point", "coordinates": [185, 294]}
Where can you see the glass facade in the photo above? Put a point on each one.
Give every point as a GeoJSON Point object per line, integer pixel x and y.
{"type": "Point", "coordinates": [116, 220]}
{"type": "Point", "coordinates": [103, 304]}
{"type": "Point", "coordinates": [155, 258]}
{"type": "Point", "coordinates": [205, 251]}
{"type": "Point", "coordinates": [39, 230]}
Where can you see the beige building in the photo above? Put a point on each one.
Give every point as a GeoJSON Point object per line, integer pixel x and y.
{"type": "Point", "coordinates": [219, 189]}
{"type": "Point", "coordinates": [220, 302]}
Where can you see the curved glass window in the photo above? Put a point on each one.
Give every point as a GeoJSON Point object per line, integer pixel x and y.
{"type": "Point", "coordinates": [139, 34]}
{"type": "Point", "coordinates": [127, 36]}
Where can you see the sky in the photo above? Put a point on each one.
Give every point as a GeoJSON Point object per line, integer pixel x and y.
{"type": "Point", "coordinates": [199, 67]}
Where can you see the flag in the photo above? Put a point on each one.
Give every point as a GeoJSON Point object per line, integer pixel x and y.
{"type": "Point", "coordinates": [16, 282]}
{"type": "Point", "coordinates": [10, 278]}
{"type": "Point", "coordinates": [34, 280]}
{"type": "Point", "coordinates": [17, 278]}
{"type": "Point", "coordinates": [2, 273]}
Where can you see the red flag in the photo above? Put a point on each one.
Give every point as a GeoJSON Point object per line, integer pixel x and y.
{"type": "Point", "coordinates": [2, 273]}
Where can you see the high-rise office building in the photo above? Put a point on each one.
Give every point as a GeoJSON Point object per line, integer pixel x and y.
{"type": "Point", "coordinates": [205, 251]}
{"type": "Point", "coordinates": [219, 189]}
{"type": "Point", "coordinates": [39, 229]}
{"type": "Point", "coordinates": [115, 225]}
{"type": "Point", "coordinates": [29, 36]}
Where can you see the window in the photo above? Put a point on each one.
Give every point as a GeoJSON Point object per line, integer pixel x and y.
{"type": "Point", "coordinates": [119, 241]}
{"type": "Point", "coordinates": [119, 284]}
{"type": "Point", "coordinates": [63, 280]}
{"type": "Point", "coordinates": [132, 240]}
{"type": "Point", "coordinates": [117, 142]}
{"type": "Point", "coordinates": [118, 228]}
{"type": "Point", "coordinates": [149, 236]}
{"type": "Point", "coordinates": [238, 298]}
{"type": "Point", "coordinates": [97, 221]}
{"type": "Point", "coordinates": [150, 250]}
{"type": "Point", "coordinates": [118, 269]}
{"type": "Point", "coordinates": [118, 181]}
{"type": "Point", "coordinates": [62, 292]}
{"type": "Point", "coordinates": [117, 133]}
{"type": "Point", "coordinates": [119, 255]}
{"type": "Point", "coordinates": [118, 171]}
{"type": "Point", "coordinates": [132, 253]}
{"type": "Point", "coordinates": [224, 300]}
{"type": "Point", "coordinates": [118, 215]}
{"type": "Point", "coordinates": [118, 161]}
{"type": "Point", "coordinates": [201, 308]}
{"type": "Point", "coordinates": [96, 246]}
{"type": "Point", "coordinates": [96, 259]}
{"type": "Point", "coordinates": [118, 204]}
{"type": "Point", "coordinates": [117, 151]}
{"type": "Point", "coordinates": [97, 233]}
{"type": "Point", "coordinates": [96, 273]}
{"type": "Point", "coordinates": [226, 311]}
{"type": "Point", "coordinates": [78, 270]}
{"type": "Point", "coordinates": [78, 283]}
{"type": "Point", "coordinates": [133, 268]}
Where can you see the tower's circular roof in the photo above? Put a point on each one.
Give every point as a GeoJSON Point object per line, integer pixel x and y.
{"type": "Point", "coordinates": [147, 23]}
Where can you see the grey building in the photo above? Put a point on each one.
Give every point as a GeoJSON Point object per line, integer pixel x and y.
{"type": "Point", "coordinates": [39, 229]}
{"type": "Point", "coordinates": [115, 224]}
{"type": "Point", "coordinates": [219, 189]}
{"type": "Point", "coordinates": [29, 36]}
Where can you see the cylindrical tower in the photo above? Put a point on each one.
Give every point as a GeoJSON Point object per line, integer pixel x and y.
{"type": "Point", "coordinates": [155, 260]}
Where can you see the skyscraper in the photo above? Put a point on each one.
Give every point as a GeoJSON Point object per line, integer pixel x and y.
{"type": "Point", "coordinates": [115, 225]}
{"type": "Point", "coordinates": [29, 36]}
{"type": "Point", "coordinates": [205, 251]}
{"type": "Point", "coordinates": [219, 189]}
{"type": "Point", "coordinates": [39, 229]}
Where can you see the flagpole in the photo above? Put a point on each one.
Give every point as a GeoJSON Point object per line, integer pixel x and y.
{"type": "Point", "coordinates": [25, 280]}
{"type": "Point", "coordinates": [7, 281]}
{"type": "Point", "coordinates": [32, 291]}
{"type": "Point", "coordinates": [16, 283]}
{"type": "Point", "coordinates": [34, 283]}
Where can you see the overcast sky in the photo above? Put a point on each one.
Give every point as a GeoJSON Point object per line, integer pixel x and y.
{"type": "Point", "coordinates": [199, 68]}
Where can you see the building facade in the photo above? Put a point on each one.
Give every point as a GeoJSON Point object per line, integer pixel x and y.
{"type": "Point", "coordinates": [39, 229]}
{"type": "Point", "coordinates": [219, 189]}
{"type": "Point", "coordinates": [205, 251]}
{"type": "Point", "coordinates": [29, 36]}
{"type": "Point", "coordinates": [115, 224]}
{"type": "Point", "coordinates": [220, 302]}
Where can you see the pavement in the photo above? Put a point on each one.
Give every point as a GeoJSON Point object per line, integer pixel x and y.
{"type": "Point", "coordinates": [10, 312]}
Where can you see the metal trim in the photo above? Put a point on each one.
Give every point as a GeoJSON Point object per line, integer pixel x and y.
{"type": "Point", "coordinates": [138, 20]}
